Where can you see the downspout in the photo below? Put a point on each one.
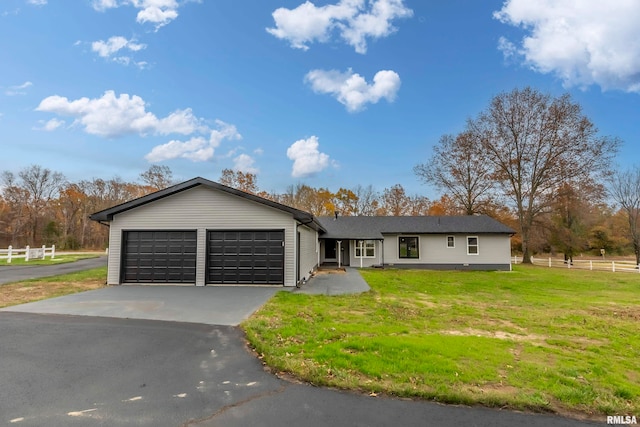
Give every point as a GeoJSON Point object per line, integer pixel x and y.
{"type": "Point", "coordinates": [297, 250]}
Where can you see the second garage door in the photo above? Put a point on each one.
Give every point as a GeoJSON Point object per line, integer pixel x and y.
{"type": "Point", "coordinates": [245, 257]}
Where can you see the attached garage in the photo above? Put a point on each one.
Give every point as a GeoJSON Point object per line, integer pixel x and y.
{"type": "Point", "coordinates": [202, 233]}
{"type": "Point", "coordinates": [159, 256]}
{"type": "Point", "coordinates": [245, 257]}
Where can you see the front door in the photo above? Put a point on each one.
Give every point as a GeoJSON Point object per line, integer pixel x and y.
{"type": "Point", "coordinates": [330, 251]}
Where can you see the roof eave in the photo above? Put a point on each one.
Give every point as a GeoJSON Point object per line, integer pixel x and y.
{"type": "Point", "coordinates": [108, 214]}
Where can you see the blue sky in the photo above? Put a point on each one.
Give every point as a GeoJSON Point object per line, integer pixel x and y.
{"type": "Point", "coordinates": [328, 93]}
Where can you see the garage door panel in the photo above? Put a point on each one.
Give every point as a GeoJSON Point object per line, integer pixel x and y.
{"type": "Point", "coordinates": [245, 257]}
{"type": "Point", "coordinates": [159, 256]}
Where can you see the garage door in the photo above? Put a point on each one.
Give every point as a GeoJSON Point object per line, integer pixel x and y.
{"type": "Point", "coordinates": [245, 257]}
{"type": "Point", "coordinates": [159, 256]}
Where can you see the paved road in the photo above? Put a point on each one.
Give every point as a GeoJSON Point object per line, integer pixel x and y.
{"type": "Point", "coordinates": [16, 273]}
{"type": "Point", "coordinates": [85, 371]}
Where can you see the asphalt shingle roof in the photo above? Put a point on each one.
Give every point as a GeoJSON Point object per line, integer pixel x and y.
{"type": "Point", "coordinates": [373, 227]}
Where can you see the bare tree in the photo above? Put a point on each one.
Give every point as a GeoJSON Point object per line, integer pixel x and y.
{"type": "Point", "coordinates": [157, 177]}
{"type": "Point", "coordinates": [534, 144]}
{"type": "Point", "coordinates": [33, 188]}
{"type": "Point", "coordinates": [625, 190]}
{"type": "Point", "coordinates": [368, 200]}
{"type": "Point", "coordinates": [460, 168]}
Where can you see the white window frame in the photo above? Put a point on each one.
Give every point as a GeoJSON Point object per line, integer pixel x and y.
{"type": "Point", "coordinates": [363, 246]}
{"type": "Point", "coordinates": [453, 240]}
{"type": "Point", "coordinates": [477, 245]}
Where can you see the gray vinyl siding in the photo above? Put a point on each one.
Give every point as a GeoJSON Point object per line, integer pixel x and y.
{"type": "Point", "coordinates": [366, 262]}
{"type": "Point", "coordinates": [309, 248]}
{"type": "Point", "coordinates": [493, 249]}
{"type": "Point", "coordinates": [202, 209]}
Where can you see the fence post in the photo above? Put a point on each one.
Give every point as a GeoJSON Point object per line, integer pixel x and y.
{"type": "Point", "coordinates": [613, 266]}
{"type": "Point", "coordinates": [44, 248]}
{"type": "Point", "coordinates": [569, 263]}
{"type": "Point", "coordinates": [590, 265]}
{"type": "Point", "coordinates": [549, 261]}
{"type": "Point", "coordinates": [26, 254]}
{"type": "Point", "coordinates": [53, 251]}
{"type": "Point", "coordinates": [9, 255]}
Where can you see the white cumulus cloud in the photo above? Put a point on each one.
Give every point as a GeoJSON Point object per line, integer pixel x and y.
{"type": "Point", "coordinates": [355, 20]}
{"type": "Point", "coordinates": [111, 116]}
{"type": "Point", "coordinates": [157, 12]}
{"type": "Point", "coordinates": [582, 42]}
{"type": "Point", "coordinates": [114, 44]}
{"type": "Point", "coordinates": [197, 149]}
{"type": "Point", "coordinates": [37, 2]}
{"type": "Point", "coordinates": [352, 90]}
{"type": "Point", "coordinates": [245, 163]}
{"type": "Point", "coordinates": [307, 158]}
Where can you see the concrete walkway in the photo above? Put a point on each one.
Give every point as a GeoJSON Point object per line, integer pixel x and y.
{"type": "Point", "coordinates": [335, 282]}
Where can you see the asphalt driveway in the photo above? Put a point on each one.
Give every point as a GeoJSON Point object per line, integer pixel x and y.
{"type": "Point", "coordinates": [126, 356]}
{"type": "Point", "coordinates": [211, 305]}
{"type": "Point", "coordinates": [89, 371]}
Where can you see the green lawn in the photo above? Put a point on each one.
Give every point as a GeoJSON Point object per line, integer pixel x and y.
{"type": "Point", "coordinates": [536, 338]}
{"type": "Point", "coordinates": [51, 287]}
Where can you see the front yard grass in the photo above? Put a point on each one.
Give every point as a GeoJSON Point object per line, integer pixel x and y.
{"type": "Point", "coordinates": [535, 339]}
{"type": "Point", "coordinates": [50, 287]}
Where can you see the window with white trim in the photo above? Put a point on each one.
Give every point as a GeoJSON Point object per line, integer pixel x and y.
{"type": "Point", "coordinates": [472, 245]}
{"type": "Point", "coordinates": [408, 247]}
{"type": "Point", "coordinates": [451, 242]}
{"type": "Point", "coordinates": [365, 248]}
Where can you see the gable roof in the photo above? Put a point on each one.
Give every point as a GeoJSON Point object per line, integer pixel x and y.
{"type": "Point", "coordinates": [373, 227]}
{"type": "Point", "coordinates": [107, 214]}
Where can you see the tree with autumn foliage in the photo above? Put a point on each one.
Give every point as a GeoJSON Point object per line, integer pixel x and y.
{"type": "Point", "coordinates": [571, 216]}
{"type": "Point", "coordinates": [243, 181]}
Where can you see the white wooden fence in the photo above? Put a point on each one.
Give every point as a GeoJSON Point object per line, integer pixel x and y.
{"type": "Point", "coordinates": [592, 264]}
{"type": "Point", "coordinates": [28, 253]}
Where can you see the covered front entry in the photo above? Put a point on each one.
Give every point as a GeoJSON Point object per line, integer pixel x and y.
{"type": "Point", "coordinates": [239, 257]}
{"type": "Point", "coordinates": [159, 256]}
{"type": "Point", "coordinates": [330, 249]}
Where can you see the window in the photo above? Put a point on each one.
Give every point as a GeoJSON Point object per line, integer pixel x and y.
{"type": "Point", "coordinates": [365, 249]}
{"type": "Point", "coordinates": [408, 247]}
{"type": "Point", "coordinates": [472, 245]}
{"type": "Point", "coordinates": [451, 242]}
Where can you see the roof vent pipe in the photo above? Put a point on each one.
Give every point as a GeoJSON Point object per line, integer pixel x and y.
{"type": "Point", "coordinates": [335, 213]}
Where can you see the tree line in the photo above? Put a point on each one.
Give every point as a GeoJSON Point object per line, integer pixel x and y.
{"type": "Point", "coordinates": [532, 161]}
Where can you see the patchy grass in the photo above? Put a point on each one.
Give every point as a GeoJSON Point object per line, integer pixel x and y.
{"type": "Point", "coordinates": [50, 287]}
{"type": "Point", "coordinates": [59, 259]}
{"type": "Point", "coordinates": [536, 338]}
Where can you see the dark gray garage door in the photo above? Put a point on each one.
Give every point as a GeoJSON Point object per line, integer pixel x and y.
{"type": "Point", "coordinates": [245, 257]}
{"type": "Point", "coordinates": [159, 256]}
